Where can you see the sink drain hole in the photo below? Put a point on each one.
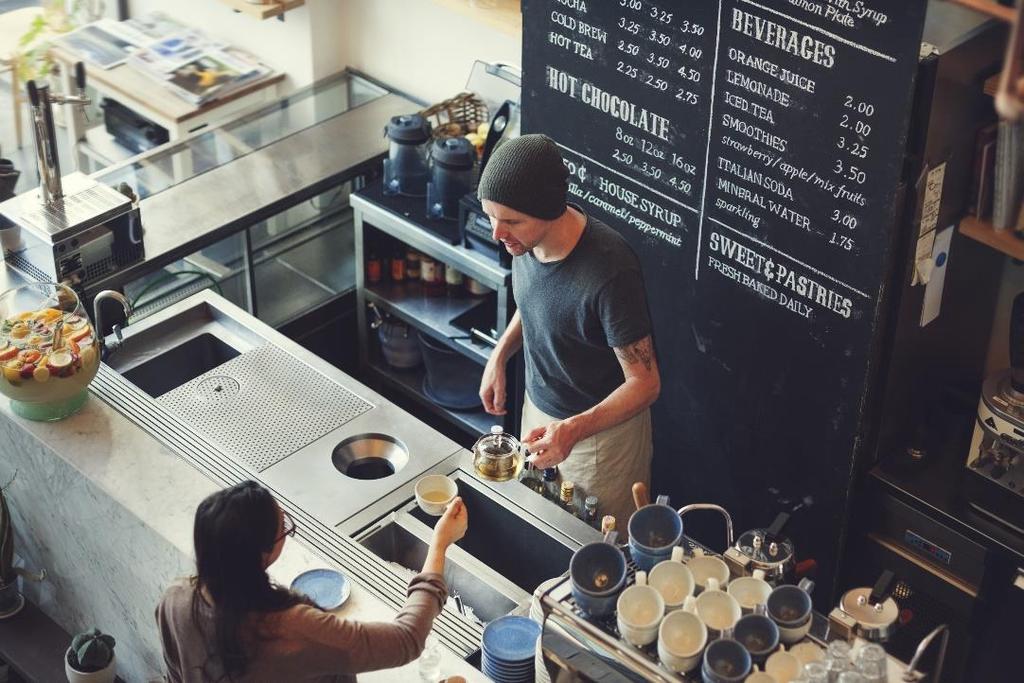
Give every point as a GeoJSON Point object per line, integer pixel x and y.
{"type": "Point", "coordinates": [370, 468]}
{"type": "Point", "coordinates": [370, 456]}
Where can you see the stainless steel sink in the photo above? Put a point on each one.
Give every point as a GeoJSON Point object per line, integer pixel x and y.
{"type": "Point", "coordinates": [180, 364]}
{"type": "Point", "coordinates": [507, 542]}
{"type": "Point", "coordinates": [172, 347]}
{"type": "Point", "coordinates": [506, 552]}
{"type": "Point", "coordinates": [402, 541]}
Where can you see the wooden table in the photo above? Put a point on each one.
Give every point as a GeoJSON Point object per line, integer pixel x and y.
{"type": "Point", "coordinates": [147, 97]}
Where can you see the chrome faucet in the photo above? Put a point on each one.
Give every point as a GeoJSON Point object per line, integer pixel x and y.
{"type": "Point", "coordinates": [50, 188]}
{"type": "Point", "coordinates": [98, 317]}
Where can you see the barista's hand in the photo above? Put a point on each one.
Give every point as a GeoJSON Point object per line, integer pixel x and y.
{"type": "Point", "coordinates": [492, 387]}
{"type": "Point", "coordinates": [452, 525]}
{"type": "Point", "coordinates": [551, 444]}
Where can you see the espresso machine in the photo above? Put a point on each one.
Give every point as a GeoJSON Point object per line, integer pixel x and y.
{"type": "Point", "coordinates": [995, 463]}
{"type": "Point", "coordinates": [72, 229]}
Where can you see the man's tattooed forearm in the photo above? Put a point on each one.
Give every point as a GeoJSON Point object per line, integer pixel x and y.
{"type": "Point", "coordinates": [639, 352]}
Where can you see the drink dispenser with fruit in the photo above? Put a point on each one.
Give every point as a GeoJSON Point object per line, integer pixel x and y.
{"type": "Point", "coordinates": [49, 350]}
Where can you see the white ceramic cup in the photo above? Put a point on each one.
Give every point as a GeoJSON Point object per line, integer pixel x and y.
{"type": "Point", "coordinates": [673, 580]}
{"type": "Point", "coordinates": [750, 591]}
{"type": "Point", "coordinates": [783, 666]}
{"type": "Point", "coordinates": [717, 609]}
{"type": "Point", "coordinates": [706, 567]}
{"type": "Point", "coordinates": [434, 492]}
{"type": "Point", "coordinates": [681, 638]}
{"type": "Point", "coordinates": [794, 635]}
{"type": "Point", "coordinates": [760, 677]}
{"type": "Point", "coordinates": [640, 609]}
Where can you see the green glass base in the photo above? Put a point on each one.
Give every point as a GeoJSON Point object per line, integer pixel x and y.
{"type": "Point", "coordinates": [50, 412]}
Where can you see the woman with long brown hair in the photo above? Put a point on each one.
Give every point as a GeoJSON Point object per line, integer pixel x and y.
{"type": "Point", "coordinates": [230, 622]}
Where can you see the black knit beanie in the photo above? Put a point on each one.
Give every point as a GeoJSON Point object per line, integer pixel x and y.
{"type": "Point", "coordinates": [526, 174]}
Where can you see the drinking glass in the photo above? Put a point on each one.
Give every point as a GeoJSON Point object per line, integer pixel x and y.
{"type": "Point", "coordinates": [871, 662]}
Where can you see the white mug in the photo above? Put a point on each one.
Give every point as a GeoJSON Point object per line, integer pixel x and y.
{"type": "Point", "coordinates": [750, 591]}
{"type": "Point", "coordinates": [681, 638]}
{"type": "Point", "coordinates": [706, 567]}
{"type": "Point", "coordinates": [434, 492]}
{"type": "Point", "coordinates": [640, 609]}
{"type": "Point", "coordinates": [673, 580]}
{"type": "Point", "coordinates": [717, 609]}
{"type": "Point", "coordinates": [794, 635]}
{"type": "Point", "coordinates": [783, 666]}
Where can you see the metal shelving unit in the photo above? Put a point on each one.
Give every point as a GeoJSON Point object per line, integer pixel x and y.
{"type": "Point", "coordinates": [410, 382]}
{"type": "Point", "coordinates": [434, 316]}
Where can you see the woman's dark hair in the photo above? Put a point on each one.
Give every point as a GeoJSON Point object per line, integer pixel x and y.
{"type": "Point", "coordinates": [233, 529]}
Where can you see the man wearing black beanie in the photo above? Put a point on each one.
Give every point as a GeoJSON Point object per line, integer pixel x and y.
{"type": "Point", "coordinates": [582, 322]}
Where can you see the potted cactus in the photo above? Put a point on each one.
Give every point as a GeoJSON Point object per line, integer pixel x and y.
{"type": "Point", "coordinates": [11, 600]}
{"type": "Point", "coordinates": [90, 659]}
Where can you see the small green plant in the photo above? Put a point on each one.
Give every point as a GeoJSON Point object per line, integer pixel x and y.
{"type": "Point", "coordinates": [33, 59]}
{"type": "Point", "coordinates": [91, 651]}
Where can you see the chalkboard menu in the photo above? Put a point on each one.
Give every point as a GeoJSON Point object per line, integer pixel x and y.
{"type": "Point", "coordinates": [751, 153]}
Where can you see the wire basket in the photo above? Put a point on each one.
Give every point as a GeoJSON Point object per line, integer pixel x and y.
{"type": "Point", "coordinates": [456, 116]}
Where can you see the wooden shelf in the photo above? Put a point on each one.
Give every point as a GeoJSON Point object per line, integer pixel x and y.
{"type": "Point", "coordinates": [271, 9]}
{"type": "Point", "coordinates": [1005, 241]}
{"type": "Point", "coordinates": [506, 15]}
{"type": "Point", "coordinates": [989, 7]}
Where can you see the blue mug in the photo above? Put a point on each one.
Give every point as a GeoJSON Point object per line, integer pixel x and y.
{"type": "Point", "coordinates": [598, 575]}
{"type": "Point", "coordinates": [725, 661]}
{"type": "Point", "coordinates": [653, 531]}
{"type": "Point", "coordinates": [758, 634]}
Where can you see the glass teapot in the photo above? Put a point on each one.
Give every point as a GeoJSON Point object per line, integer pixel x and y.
{"type": "Point", "coordinates": [498, 456]}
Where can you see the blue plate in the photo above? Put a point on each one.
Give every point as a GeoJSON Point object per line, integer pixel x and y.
{"type": "Point", "coordinates": [499, 677]}
{"type": "Point", "coordinates": [502, 673]}
{"type": "Point", "coordinates": [512, 639]}
{"type": "Point", "coordinates": [327, 588]}
{"type": "Point", "coordinates": [507, 669]}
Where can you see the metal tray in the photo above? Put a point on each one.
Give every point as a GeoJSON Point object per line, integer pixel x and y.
{"type": "Point", "coordinates": [602, 635]}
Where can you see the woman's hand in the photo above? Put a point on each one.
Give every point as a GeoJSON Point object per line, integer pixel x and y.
{"type": "Point", "coordinates": [452, 525]}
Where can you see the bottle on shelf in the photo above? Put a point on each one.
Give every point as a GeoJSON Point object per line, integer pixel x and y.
{"type": "Point", "coordinates": [398, 266]}
{"type": "Point", "coordinates": [432, 276]}
{"type": "Point", "coordinates": [412, 265]}
{"type": "Point", "coordinates": [590, 511]}
{"type": "Point", "coordinates": [569, 499]}
{"type": "Point", "coordinates": [552, 489]}
{"type": "Point", "coordinates": [453, 278]}
{"type": "Point", "coordinates": [374, 272]}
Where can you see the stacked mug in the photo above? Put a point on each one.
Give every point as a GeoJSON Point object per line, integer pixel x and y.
{"type": "Point", "coordinates": [737, 631]}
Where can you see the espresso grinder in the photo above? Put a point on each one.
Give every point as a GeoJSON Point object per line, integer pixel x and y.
{"type": "Point", "coordinates": [994, 482]}
{"type": "Point", "coordinates": [71, 230]}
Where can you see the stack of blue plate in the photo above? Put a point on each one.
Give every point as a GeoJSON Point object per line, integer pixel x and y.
{"type": "Point", "coordinates": [508, 647]}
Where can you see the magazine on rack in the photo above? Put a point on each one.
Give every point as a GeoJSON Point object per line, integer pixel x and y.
{"type": "Point", "coordinates": [215, 73]}
{"type": "Point", "coordinates": [104, 43]}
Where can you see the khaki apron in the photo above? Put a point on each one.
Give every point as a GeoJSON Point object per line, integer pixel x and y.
{"type": "Point", "coordinates": [606, 464]}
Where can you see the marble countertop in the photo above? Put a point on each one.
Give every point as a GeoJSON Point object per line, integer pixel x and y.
{"type": "Point", "coordinates": [162, 491]}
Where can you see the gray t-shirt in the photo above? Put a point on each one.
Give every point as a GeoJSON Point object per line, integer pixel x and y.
{"type": "Point", "coordinates": [574, 312]}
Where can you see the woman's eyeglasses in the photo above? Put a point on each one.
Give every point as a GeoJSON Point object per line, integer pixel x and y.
{"type": "Point", "coordinates": [287, 526]}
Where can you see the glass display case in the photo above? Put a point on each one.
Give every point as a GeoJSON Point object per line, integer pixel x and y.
{"type": "Point", "coordinates": [278, 267]}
